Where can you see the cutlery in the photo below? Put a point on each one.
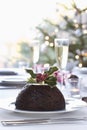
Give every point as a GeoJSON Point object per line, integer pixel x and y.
{"type": "Point", "coordinates": [68, 120]}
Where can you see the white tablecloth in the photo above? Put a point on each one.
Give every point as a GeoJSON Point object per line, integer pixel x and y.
{"type": "Point", "coordinates": [9, 115]}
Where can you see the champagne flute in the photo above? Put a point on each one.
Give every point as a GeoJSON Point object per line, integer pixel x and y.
{"type": "Point", "coordinates": [61, 52]}
{"type": "Point", "coordinates": [36, 50]}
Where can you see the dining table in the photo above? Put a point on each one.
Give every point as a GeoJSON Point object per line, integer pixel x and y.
{"type": "Point", "coordinates": [75, 118]}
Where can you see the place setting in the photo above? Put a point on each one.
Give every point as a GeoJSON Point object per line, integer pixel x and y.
{"type": "Point", "coordinates": [12, 78]}
{"type": "Point", "coordinates": [72, 114]}
{"type": "Point", "coordinates": [19, 113]}
{"type": "Point", "coordinates": [43, 99]}
{"type": "Point", "coordinates": [13, 82]}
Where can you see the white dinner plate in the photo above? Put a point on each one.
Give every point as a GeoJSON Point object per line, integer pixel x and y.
{"type": "Point", "coordinates": [71, 105]}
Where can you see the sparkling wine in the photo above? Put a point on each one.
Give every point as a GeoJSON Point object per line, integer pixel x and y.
{"type": "Point", "coordinates": [35, 53]}
{"type": "Point", "coordinates": [35, 47]}
{"type": "Point", "coordinates": [61, 52]}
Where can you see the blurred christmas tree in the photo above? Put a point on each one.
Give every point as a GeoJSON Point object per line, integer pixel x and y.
{"type": "Point", "coordinates": [72, 21]}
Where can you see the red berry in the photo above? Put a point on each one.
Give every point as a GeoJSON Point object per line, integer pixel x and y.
{"type": "Point", "coordinates": [44, 76]}
{"type": "Point", "coordinates": [41, 77]}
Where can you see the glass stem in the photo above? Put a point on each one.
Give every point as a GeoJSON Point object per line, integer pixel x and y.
{"type": "Point", "coordinates": [62, 80]}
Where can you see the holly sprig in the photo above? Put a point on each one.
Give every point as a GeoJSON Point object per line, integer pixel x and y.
{"type": "Point", "coordinates": [47, 77]}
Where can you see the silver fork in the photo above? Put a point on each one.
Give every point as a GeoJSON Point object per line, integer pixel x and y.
{"type": "Point", "coordinates": [68, 120]}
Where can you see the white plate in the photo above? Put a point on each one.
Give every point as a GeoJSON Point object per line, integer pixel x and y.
{"type": "Point", "coordinates": [71, 105]}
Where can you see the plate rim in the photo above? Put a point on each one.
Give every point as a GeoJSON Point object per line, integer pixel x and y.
{"type": "Point", "coordinates": [68, 109]}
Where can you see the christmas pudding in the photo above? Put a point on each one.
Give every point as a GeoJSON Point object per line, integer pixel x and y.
{"type": "Point", "coordinates": [41, 93]}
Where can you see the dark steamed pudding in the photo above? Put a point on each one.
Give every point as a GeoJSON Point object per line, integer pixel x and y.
{"type": "Point", "coordinates": [40, 98]}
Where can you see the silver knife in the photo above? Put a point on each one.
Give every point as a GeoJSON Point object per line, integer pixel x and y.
{"type": "Point", "coordinates": [68, 120]}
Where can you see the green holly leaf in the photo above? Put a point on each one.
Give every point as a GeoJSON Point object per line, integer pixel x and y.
{"type": "Point", "coordinates": [31, 80]}
{"type": "Point", "coordinates": [51, 80]}
{"type": "Point", "coordinates": [51, 70]}
{"type": "Point", "coordinates": [30, 71]}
